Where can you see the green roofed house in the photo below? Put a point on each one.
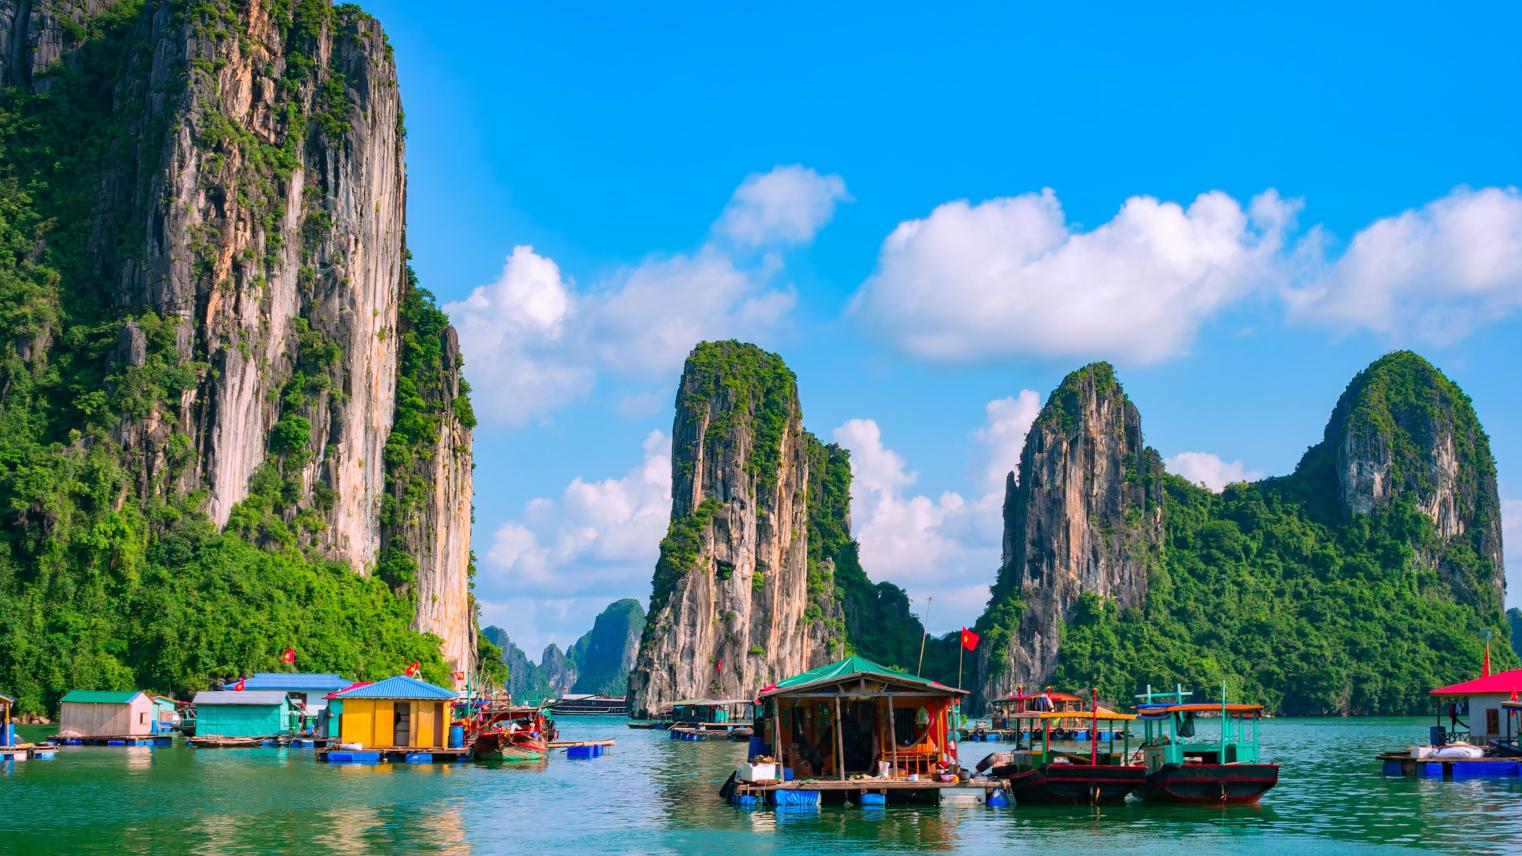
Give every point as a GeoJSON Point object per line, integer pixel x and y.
{"type": "Point", "coordinates": [107, 713]}
{"type": "Point", "coordinates": [250, 713]}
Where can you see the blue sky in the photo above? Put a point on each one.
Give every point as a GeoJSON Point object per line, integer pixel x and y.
{"type": "Point", "coordinates": [684, 172]}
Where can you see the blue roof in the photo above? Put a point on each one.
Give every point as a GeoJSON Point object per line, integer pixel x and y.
{"type": "Point", "coordinates": [400, 686]}
{"type": "Point", "coordinates": [296, 681]}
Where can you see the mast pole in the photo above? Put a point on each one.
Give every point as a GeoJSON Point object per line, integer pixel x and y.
{"type": "Point", "coordinates": [925, 632]}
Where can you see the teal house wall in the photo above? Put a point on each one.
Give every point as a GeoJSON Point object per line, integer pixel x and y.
{"type": "Point", "coordinates": [245, 714]}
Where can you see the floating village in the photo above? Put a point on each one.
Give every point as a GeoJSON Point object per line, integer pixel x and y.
{"type": "Point", "coordinates": [852, 732]}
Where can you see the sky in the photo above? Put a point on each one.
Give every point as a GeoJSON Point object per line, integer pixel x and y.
{"type": "Point", "coordinates": [933, 214]}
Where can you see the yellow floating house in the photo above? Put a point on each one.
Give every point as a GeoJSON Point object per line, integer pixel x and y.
{"type": "Point", "coordinates": [399, 713]}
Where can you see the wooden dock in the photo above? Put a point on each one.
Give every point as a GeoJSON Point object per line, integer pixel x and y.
{"type": "Point", "coordinates": [127, 740]}
{"type": "Point", "coordinates": [27, 751]}
{"type": "Point", "coordinates": [865, 791]}
{"type": "Point", "coordinates": [1402, 764]}
{"type": "Point", "coordinates": [567, 744]}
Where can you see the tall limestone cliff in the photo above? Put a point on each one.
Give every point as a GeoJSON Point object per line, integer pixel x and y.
{"type": "Point", "coordinates": [1403, 432]}
{"type": "Point", "coordinates": [1084, 515]}
{"type": "Point", "coordinates": [1370, 574]}
{"type": "Point", "coordinates": [212, 240]}
{"type": "Point", "coordinates": [736, 601]}
{"type": "Point", "coordinates": [605, 654]}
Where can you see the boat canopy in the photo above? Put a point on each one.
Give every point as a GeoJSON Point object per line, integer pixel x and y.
{"type": "Point", "coordinates": [1496, 684]}
{"type": "Point", "coordinates": [1158, 711]}
{"type": "Point", "coordinates": [1102, 713]}
{"type": "Point", "coordinates": [1051, 695]}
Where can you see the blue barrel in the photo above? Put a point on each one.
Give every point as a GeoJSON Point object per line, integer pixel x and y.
{"type": "Point", "coordinates": [757, 747]}
{"type": "Point", "coordinates": [8, 736]}
{"type": "Point", "coordinates": [456, 736]}
{"type": "Point", "coordinates": [1435, 735]}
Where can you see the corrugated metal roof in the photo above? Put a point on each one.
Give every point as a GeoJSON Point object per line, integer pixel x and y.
{"type": "Point", "coordinates": [298, 681]}
{"type": "Point", "coordinates": [400, 686]}
{"type": "Point", "coordinates": [848, 669]}
{"type": "Point", "coordinates": [101, 696]}
{"type": "Point", "coordinates": [257, 698]}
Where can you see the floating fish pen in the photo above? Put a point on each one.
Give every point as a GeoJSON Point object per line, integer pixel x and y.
{"type": "Point", "coordinates": [855, 732]}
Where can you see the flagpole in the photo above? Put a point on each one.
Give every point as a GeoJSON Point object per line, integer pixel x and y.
{"type": "Point", "coordinates": [925, 631]}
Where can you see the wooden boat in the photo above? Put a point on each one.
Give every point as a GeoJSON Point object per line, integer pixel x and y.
{"type": "Point", "coordinates": [511, 733]}
{"type": "Point", "coordinates": [1045, 776]}
{"type": "Point", "coordinates": [1224, 771]}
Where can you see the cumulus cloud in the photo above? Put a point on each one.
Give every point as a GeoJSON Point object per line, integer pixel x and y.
{"type": "Point", "coordinates": [1010, 277]}
{"type": "Point", "coordinates": [598, 540]}
{"type": "Point", "coordinates": [945, 546]}
{"type": "Point", "coordinates": [1432, 273]}
{"type": "Point", "coordinates": [534, 340]}
{"type": "Point", "coordinates": [788, 205]}
{"type": "Point", "coordinates": [1208, 470]}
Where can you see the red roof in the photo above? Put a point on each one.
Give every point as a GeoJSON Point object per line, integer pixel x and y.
{"type": "Point", "coordinates": [354, 686]}
{"type": "Point", "coordinates": [1498, 683]}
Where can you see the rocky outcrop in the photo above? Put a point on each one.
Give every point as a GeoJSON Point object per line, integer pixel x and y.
{"type": "Point", "coordinates": [734, 603]}
{"type": "Point", "coordinates": [604, 656]}
{"type": "Point", "coordinates": [247, 230]}
{"type": "Point", "coordinates": [1083, 515]}
{"type": "Point", "coordinates": [1403, 433]}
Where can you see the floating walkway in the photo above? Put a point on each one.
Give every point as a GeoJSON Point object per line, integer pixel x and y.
{"type": "Point", "coordinates": [127, 740]}
{"type": "Point", "coordinates": [1402, 764]}
{"type": "Point", "coordinates": [392, 755]}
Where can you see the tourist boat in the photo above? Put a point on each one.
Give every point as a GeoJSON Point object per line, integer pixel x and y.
{"type": "Point", "coordinates": [511, 733]}
{"type": "Point", "coordinates": [1180, 769]}
{"type": "Point", "coordinates": [1044, 776]}
{"type": "Point", "coordinates": [1018, 714]}
{"type": "Point", "coordinates": [590, 705]}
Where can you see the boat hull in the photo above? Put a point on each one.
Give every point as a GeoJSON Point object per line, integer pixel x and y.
{"type": "Point", "coordinates": [1073, 784]}
{"type": "Point", "coordinates": [1210, 784]}
{"type": "Point", "coordinates": [491, 748]}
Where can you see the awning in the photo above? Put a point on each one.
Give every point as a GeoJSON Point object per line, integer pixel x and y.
{"type": "Point", "coordinates": [1501, 683]}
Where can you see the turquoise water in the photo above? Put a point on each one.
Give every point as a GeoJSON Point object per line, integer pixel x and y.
{"type": "Point", "coordinates": [656, 795]}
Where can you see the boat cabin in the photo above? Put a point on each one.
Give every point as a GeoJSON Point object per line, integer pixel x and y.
{"type": "Point", "coordinates": [397, 713]}
{"type": "Point", "coordinates": [250, 713]}
{"type": "Point", "coordinates": [719, 713]}
{"type": "Point", "coordinates": [1169, 733]}
{"type": "Point", "coordinates": [858, 718]}
{"type": "Point", "coordinates": [1473, 710]}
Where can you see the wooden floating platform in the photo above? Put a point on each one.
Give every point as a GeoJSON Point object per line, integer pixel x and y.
{"type": "Point", "coordinates": [128, 740]}
{"type": "Point", "coordinates": [866, 791]}
{"type": "Point", "coordinates": [1402, 764]}
{"type": "Point", "coordinates": [332, 754]}
{"type": "Point", "coordinates": [282, 741]}
{"type": "Point", "coordinates": [27, 751]}
{"type": "Point", "coordinates": [567, 744]}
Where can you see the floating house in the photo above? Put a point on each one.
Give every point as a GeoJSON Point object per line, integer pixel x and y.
{"type": "Point", "coordinates": [306, 689]}
{"type": "Point", "coordinates": [250, 713]}
{"type": "Point", "coordinates": [854, 729]}
{"type": "Point", "coordinates": [103, 714]}
{"type": "Point", "coordinates": [1472, 710]}
{"type": "Point", "coordinates": [330, 718]}
{"type": "Point", "coordinates": [399, 715]}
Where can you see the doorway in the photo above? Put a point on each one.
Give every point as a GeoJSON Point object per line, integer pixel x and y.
{"type": "Point", "coordinates": [403, 735]}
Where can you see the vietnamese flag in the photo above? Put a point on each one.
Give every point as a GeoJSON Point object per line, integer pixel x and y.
{"type": "Point", "coordinates": [414, 668]}
{"type": "Point", "coordinates": [969, 639]}
{"type": "Point", "coordinates": [238, 687]}
{"type": "Point", "coordinates": [288, 656]}
{"type": "Point", "coordinates": [459, 677]}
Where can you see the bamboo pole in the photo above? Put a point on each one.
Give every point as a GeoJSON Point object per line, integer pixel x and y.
{"type": "Point", "coordinates": [840, 745]}
{"type": "Point", "coordinates": [893, 735]}
{"type": "Point", "coordinates": [925, 632]}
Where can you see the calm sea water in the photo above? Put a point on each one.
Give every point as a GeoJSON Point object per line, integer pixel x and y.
{"type": "Point", "coordinates": [655, 795]}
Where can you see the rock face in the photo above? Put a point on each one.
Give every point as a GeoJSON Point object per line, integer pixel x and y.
{"type": "Point", "coordinates": [249, 227]}
{"type": "Point", "coordinates": [606, 653]}
{"type": "Point", "coordinates": [1084, 515]}
{"type": "Point", "coordinates": [1403, 432]}
{"type": "Point", "coordinates": [735, 605]}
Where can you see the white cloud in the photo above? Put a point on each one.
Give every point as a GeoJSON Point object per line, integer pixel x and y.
{"type": "Point", "coordinates": [947, 546]}
{"type": "Point", "coordinates": [790, 204]}
{"type": "Point", "coordinates": [1204, 468]}
{"type": "Point", "coordinates": [1433, 273]}
{"type": "Point", "coordinates": [534, 340]}
{"type": "Point", "coordinates": [1009, 277]}
{"type": "Point", "coordinates": [597, 539]}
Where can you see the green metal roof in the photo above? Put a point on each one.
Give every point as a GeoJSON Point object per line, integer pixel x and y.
{"type": "Point", "coordinates": [851, 667]}
{"type": "Point", "coordinates": [102, 696]}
